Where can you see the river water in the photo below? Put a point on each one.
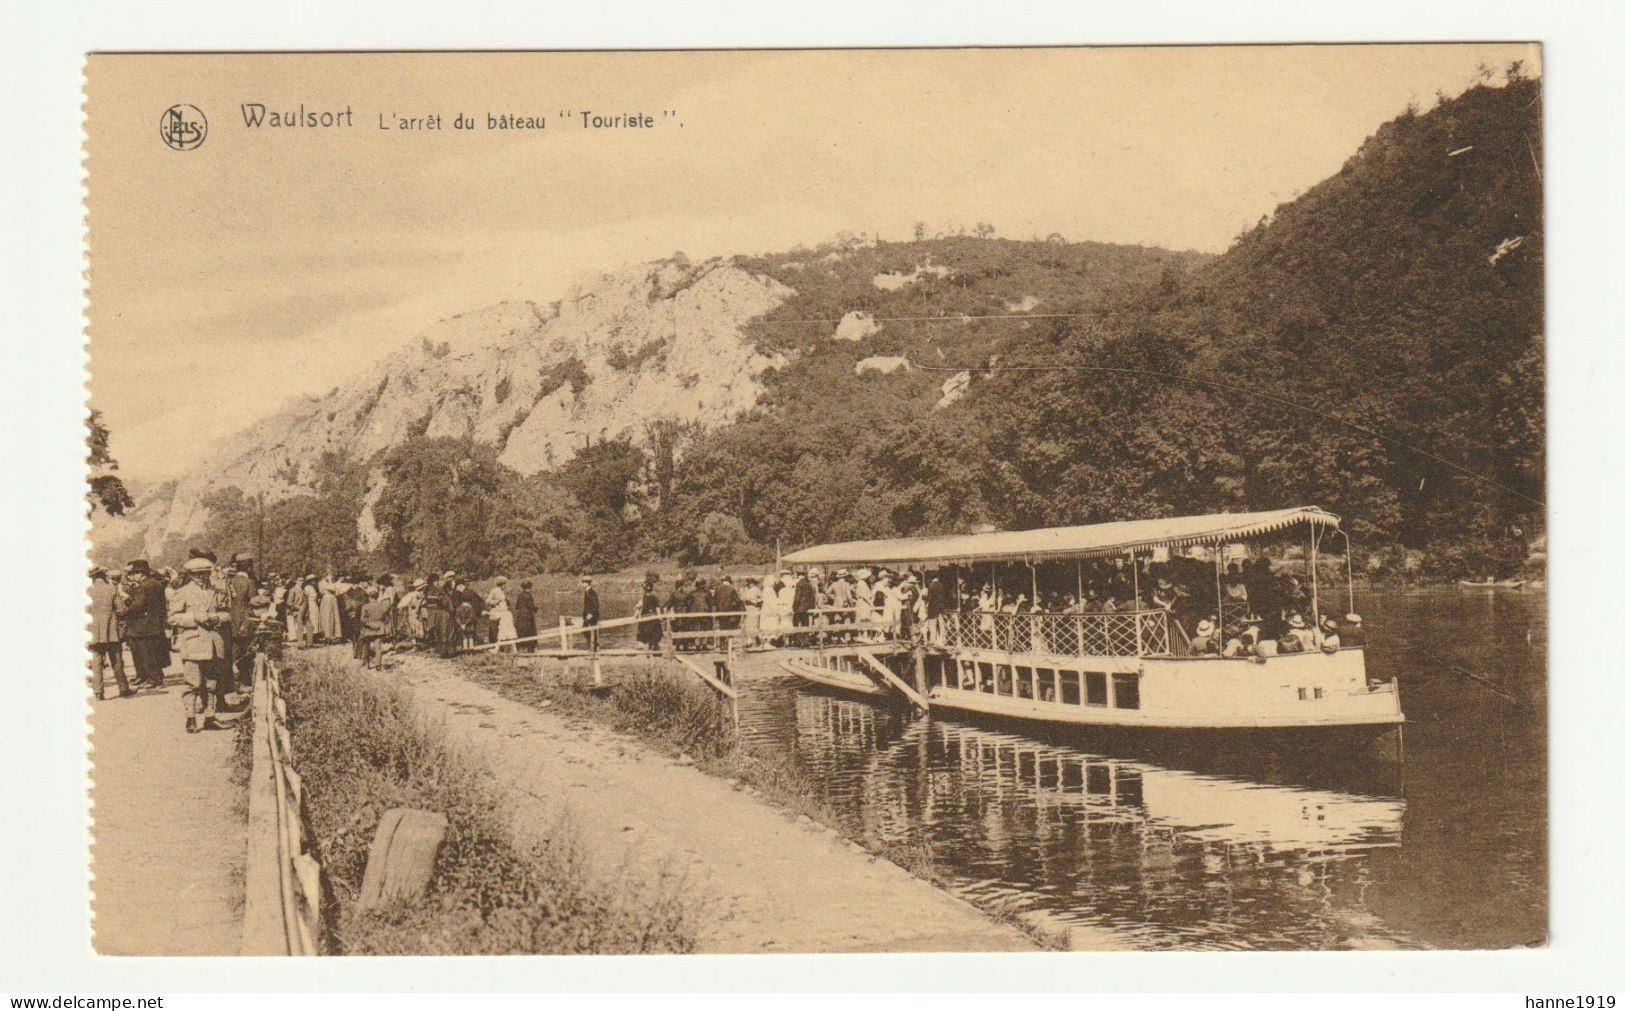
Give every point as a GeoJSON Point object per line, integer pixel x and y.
{"type": "Point", "coordinates": [1155, 844]}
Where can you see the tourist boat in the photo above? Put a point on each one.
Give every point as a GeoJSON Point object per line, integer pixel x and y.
{"type": "Point", "coordinates": [1491, 584]}
{"type": "Point", "coordinates": [1128, 669]}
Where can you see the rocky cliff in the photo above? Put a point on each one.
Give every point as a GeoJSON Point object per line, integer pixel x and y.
{"type": "Point", "coordinates": [653, 341]}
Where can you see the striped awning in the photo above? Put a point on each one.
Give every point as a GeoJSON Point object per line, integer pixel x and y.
{"type": "Point", "coordinates": [1096, 540]}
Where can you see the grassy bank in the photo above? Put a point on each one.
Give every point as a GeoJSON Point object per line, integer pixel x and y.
{"type": "Point", "coordinates": [362, 749]}
{"type": "Point", "coordinates": [682, 718]}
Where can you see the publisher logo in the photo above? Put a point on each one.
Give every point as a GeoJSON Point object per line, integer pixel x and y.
{"type": "Point", "coordinates": [183, 127]}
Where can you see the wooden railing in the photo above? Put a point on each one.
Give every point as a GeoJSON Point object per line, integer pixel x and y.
{"type": "Point", "coordinates": [282, 906]}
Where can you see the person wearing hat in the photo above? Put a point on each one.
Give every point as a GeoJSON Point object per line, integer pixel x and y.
{"type": "Point", "coordinates": [106, 637]}
{"type": "Point", "coordinates": [1297, 638]}
{"type": "Point", "coordinates": [524, 617]}
{"type": "Point", "coordinates": [802, 602]}
{"type": "Point", "coordinates": [438, 629]}
{"type": "Point", "coordinates": [726, 600]}
{"type": "Point", "coordinates": [589, 611]}
{"type": "Point", "coordinates": [1352, 634]}
{"type": "Point", "coordinates": [1205, 642]}
{"type": "Point", "coordinates": [500, 615]}
{"type": "Point", "coordinates": [239, 588]}
{"type": "Point", "coordinates": [142, 615]}
{"type": "Point", "coordinates": [1330, 642]}
{"type": "Point", "coordinates": [197, 613]}
{"type": "Point", "coordinates": [375, 623]}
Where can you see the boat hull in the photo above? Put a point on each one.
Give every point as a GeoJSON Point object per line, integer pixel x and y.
{"type": "Point", "coordinates": [1305, 692]}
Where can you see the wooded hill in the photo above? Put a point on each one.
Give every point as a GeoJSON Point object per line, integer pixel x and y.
{"type": "Point", "coordinates": [1375, 347]}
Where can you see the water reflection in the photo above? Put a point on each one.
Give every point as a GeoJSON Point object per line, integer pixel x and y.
{"type": "Point", "coordinates": [1169, 844]}
{"type": "Point", "coordinates": [1159, 856]}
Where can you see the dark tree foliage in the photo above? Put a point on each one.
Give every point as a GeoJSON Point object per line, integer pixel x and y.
{"type": "Point", "coordinates": [1403, 295]}
{"type": "Point", "coordinates": [106, 488]}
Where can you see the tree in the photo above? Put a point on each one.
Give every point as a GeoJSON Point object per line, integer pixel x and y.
{"type": "Point", "coordinates": [106, 487]}
{"type": "Point", "coordinates": [436, 504]}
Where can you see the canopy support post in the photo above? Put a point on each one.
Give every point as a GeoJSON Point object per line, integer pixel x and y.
{"type": "Point", "coordinates": [1348, 557]}
{"type": "Point", "coordinates": [1218, 587]}
{"type": "Point", "coordinates": [1079, 562]}
{"type": "Point", "coordinates": [1033, 570]}
{"type": "Point", "coordinates": [1139, 638]}
{"type": "Point", "coordinates": [1314, 573]}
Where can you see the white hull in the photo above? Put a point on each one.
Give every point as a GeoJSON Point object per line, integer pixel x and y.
{"type": "Point", "coordinates": [829, 677]}
{"type": "Point", "coordinates": [1305, 690]}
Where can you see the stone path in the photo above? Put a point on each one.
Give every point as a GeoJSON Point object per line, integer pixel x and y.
{"type": "Point", "coordinates": [169, 833]}
{"type": "Point", "coordinates": [771, 881]}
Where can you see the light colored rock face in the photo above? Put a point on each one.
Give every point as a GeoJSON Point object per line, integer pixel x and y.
{"type": "Point", "coordinates": [856, 326]}
{"type": "Point", "coordinates": [883, 364]}
{"type": "Point", "coordinates": [899, 279]}
{"type": "Point", "coordinates": [651, 341]}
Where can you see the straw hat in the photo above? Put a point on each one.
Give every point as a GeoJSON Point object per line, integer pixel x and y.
{"type": "Point", "coordinates": [418, 584]}
{"type": "Point", "coordinates": [502, 580]}
{"type": "Point", "coordinates": [198, 565]}
{"type": "Point", "coordinates": [1204, 627]}
{"type": "Point", "coordinates": [1296, 621]}
{"type": "Point", "coordinates": [1352, 618]}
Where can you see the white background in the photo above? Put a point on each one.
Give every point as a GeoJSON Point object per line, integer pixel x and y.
{"type": "Point", "coordinates": [44, 946]}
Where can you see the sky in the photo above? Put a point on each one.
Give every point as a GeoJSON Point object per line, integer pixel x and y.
{"type": "Point", "coordinates": [269, 264]}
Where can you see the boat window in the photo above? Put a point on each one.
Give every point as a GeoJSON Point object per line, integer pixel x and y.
{"type": "Point", "coordinates": [1046, 684]}
{"type": "Point", "coordinates": [1095, 688]}
{"type": "Point", "coordinates": [1069, 687]}
{"type": "Point", "coordinates": [1003, 671]}
{"type": "Point", "coordinates": [986, 682]}
{"type": "Point", "coordinates": [1320, 693]}
{"type": "Point", "coordinates": [967, 675]}
{"type": "Point", "coordinates": [1303, 693]}
{"type": "Point", "coordinates": [1126, 690]}
{"type": "Point", "coordinates": [1024, 682]}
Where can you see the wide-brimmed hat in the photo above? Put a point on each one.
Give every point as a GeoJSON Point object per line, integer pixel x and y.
{"type": "Point", "coordinates": [842, 572]}
{"type": "Point", "coordinates": [1204, 627]}
{"type": "Point", "coordinates": [418, 584]}
{"type": "Point", "coordinates": [198, 564]}
{"type": "Point", "coordinates": [138, 565]}
{"type": "Point", "coordinates": [1163, 584]}
{"type": "Point", "coordinates": [1327, 622]}
{"type": "Point", "coordinates": [96, 571]}
{"type": "Point", "coordinates": [1296, 621]}
{"type": "Point", "coordinates": [502, 580]}
{"type": "Point", "coordinates": [1352, 618]}
{"type": "Point", "coordinates": [243, 556]}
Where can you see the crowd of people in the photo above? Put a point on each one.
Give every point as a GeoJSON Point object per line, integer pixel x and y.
{"type": "Point", "coordinates": [212, 616]}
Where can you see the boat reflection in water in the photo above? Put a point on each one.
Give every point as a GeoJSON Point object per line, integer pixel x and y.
{"type": "Point", "coordinates": [1141, 854]}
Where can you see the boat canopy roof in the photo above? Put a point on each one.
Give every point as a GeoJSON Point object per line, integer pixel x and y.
{"type": "Point", "coordinates": [1095, 540]}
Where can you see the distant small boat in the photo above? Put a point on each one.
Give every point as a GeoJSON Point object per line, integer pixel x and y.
{"type": "Point", "coordinates": [1492, 584]}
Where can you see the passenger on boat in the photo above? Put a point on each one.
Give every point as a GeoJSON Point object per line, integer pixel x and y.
{"type": "Point", "coordinates": [1330, 642]}
{"type": "Point", "coordinates": [840, 598]}
{"type": "Point", "coordinates": [1298, 638]}
{"type": "Point", "coordinates": [802, 602]}
{"type": "Point", "coordinates": [1353, 633]}
{"type": "Point", "coordinates": [1163, 596]}
{"type": "Point", "coordinates": [937, 601]}
{"type": "Point", "coordinates": [1205, 642]}
{"type": "Point", "coordinates": [1245, 641]}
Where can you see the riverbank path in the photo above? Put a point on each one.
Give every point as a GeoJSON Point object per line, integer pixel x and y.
{"type": "Point", "coordinates": [169, 832]}
{"type": "Point", "coordinates": [769, 880]}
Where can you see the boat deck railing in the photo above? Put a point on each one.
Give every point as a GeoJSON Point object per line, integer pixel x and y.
{"type": "Point", "coordinates": [1125, 633]}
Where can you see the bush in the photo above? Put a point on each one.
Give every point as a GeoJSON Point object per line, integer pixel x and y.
{"type": "Point", "coordinates": [363, 749]}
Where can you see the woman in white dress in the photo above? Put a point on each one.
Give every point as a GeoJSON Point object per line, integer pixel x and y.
{"type": "Point", "coordinates": [773, 619]}
{"type": "Point", "coordinates": [496, 609]}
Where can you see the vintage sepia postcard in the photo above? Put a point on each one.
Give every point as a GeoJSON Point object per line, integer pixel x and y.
{"type": "Point", "coordinates": [919, 500]}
